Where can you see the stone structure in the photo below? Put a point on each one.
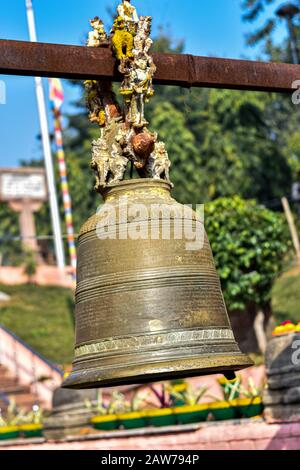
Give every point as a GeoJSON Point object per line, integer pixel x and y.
{"type": "Point", "coordinates": [24, 189]}
{"type": "Point", "coordinates": [282, 398]}
{"type": "Point", "coordinates": [70, 414]}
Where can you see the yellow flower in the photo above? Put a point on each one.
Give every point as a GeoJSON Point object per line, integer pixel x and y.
{"type": "Point", "coordinates": [285, 328]}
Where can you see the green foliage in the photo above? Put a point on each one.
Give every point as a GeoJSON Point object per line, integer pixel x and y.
{"type": "Point", "coordinates": [42, 317]}
{"type": "Point", "coordinates": [117, 403]}
{"type": "Point", "coordinates": [249, 243]}
{"type": "Point", "coordinates": [30, 263]}
{"type": "Point", "coordinates": [286, 297]}
{"type": "Point", "coordinates": [191, 396]}
{"type": "Point", "coordinates": [181, 145]}
{"type": "Point", "coordinates": [10, 249]}
{"type": "Point", "coordinates": [282, 115]}
{"type": "Point", "coordinates": [254, 11]}
{"type": "Point", "coordinates": [16, 417]}
{"type": "Point", "coordinates": [232, 390]}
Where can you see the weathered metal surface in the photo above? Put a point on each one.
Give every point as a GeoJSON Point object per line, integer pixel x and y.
{"type": "Point", "coordinates": [76, 62]}
{"type": "Point", "coordinates": [147, 309]}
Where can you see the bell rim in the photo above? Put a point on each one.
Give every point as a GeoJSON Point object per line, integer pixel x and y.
{"type": "Point", "coordinates": [94, 377]}
{"type": "Point", "coordinates": [137, 184]}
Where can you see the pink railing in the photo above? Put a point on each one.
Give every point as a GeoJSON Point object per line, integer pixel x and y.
{"type": "Point", "coordinates": [29, 367]}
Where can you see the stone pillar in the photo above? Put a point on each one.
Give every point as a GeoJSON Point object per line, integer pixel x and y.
{"type": "Point", "coordinates": [26, 209]}
{"type": "Point", "coordinates": [282, 398]}
{"type": "Point", "coordinates": [70, 415]}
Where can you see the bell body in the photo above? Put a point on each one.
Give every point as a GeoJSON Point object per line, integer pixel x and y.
{"type": "Point", "coordinates": [148, 308]}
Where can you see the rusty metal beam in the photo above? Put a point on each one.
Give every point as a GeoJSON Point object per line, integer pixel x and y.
{"type": "Point", "coordinates": [77, 62]}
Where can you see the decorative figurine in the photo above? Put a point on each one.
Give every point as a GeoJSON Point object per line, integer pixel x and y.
{"type": "Point", "coordinates": [98, 36]}
{"type": "Point", "coordinates": [95, 102]}
{"type": "Point", "coordinates": [100, 162]}
{"type": "Point", "coordinates": [137, 86]}
{"type": "Point", "coordinates": [140, 83]}
{"type": "Point", "coordinates": [117, 165]}
{"type": "Point", "coordinates": [142, 40]}
{"type": "Point", "coordinates": [125, 138]}
{"type": "Point", "coordinates": [159, 163]}
{"type": "Point", "coordinates": [129, 14]}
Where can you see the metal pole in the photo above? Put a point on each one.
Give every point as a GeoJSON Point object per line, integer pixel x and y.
{"type": "Point", "coordinates": [292, 226]}
{"type": "Point", "coordinates": [59, 250]}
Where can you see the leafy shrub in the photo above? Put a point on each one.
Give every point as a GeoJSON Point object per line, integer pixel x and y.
{"type": "Point", "coordinates": [249, 243]}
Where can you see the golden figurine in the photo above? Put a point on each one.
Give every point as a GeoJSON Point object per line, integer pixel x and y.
{"type": "Point", "coordinates": [100, 162]}
{"type": "Point", "coordinates": [125, 139]}
{"type": "Point", "coordinates": [129, 14]}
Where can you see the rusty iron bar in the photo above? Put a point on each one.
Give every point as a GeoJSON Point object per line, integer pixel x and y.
{"type": "Point", "coordinates": [78, 62]}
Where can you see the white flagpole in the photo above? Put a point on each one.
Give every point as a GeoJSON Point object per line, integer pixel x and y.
{"type": "Point", "coordinates": [59, 250]}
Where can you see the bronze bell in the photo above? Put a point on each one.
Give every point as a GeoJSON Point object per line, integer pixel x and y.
{"type": "Point", "coordinates": [147, 309]}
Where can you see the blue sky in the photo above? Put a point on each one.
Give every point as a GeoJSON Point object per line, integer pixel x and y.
{"type": "Point", "coordinates": [210, 28]}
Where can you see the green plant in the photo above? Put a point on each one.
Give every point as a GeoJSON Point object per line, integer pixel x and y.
{"type": "Point", "coordinates": [35, 416]}
{"type": "Point", "coordinates": [50, 334]}
{"type": "Point", "coordinates": [117, 404]}
{"type": "Point", "coordinates": [12, 414]}
{"type": "Point", "coordinates": [3, 422]}
{"type": "Point", "coordinates": [230, 389]}
{"type": "Point", "coordinates": [30, 264]}
{"type": "Point", "coordinates": [97, 408]}
{"type": "Point", "coordinates": [162, 395]}
{"type": "Point", "coordinates": [251, 391]}
{"type": "Point", "coordinates": [249, 243]}
{"type": "Point", "coordinates": [191, 396]}
{"type": "Point", "coordinates": [235, 389]}
{"type": "Point", "coordinates": [18, 417]}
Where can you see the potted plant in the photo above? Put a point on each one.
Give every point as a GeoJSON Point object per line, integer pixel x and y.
{"type": "Point", "coordinates": [177, 392]}
{"type": "Point", "coordinates": [105, 418]}
{"type": "Point", "coordinates": [230, 388]}
{"type": "Point", "coordinates": [130, 413]}
{"type": "Point", "coordinates": [237, 401]}
{"type": "Point", "coordinates": [164, 415]}
{"type": "Point", "coordinates": [8, 429]}
{"type": "Point", "coordinates": [191, 411]}
{"type": "Point", "coordinates": [30, 424]}
{"type": "Point", "coordinates": [249, 403]}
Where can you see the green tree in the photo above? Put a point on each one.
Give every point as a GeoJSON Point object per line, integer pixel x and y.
{"type": "Point", "coordinates": [10, 245]}
{"type": "Point", "coordinates": [249, 243]}
{"type": "Point", "coordinates": [282, 116]}
{"type": "Point", "coordinates": [254, 11]}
